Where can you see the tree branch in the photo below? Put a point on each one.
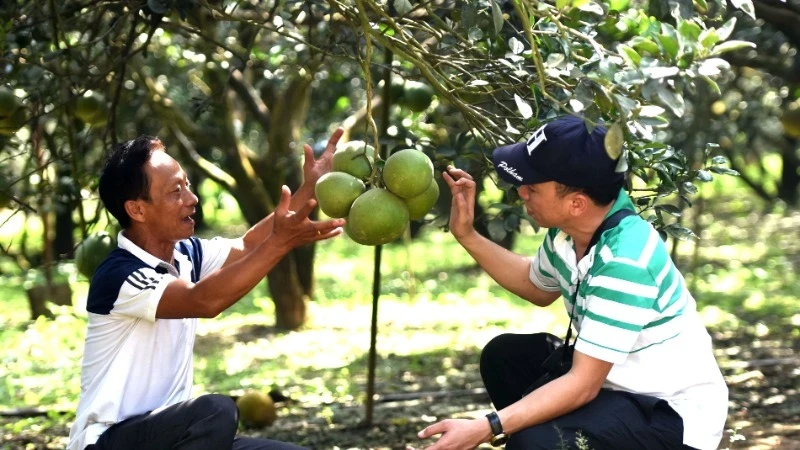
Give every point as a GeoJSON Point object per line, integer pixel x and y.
{"type": "Point", "coordinates": [251, 99]}
{"type": "Point", "coordinates": [207, 167]}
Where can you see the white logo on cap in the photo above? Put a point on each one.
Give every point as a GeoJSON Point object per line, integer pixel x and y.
{"type": "Point", "coordinates": [510, 170]}
{"type": "Point", "coordinates": [536, 140]}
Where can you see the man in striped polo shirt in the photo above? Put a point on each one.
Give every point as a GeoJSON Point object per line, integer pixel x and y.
{"type": "Point", "coordinates": [642, 374]}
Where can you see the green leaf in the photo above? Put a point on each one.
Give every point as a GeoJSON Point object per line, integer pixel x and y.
{"type": "Point", "coordinates": [712, 84]}
{"type": "Point", "coordinates": [651, 111]}
{"type": "Point", "coordinates": [724, 171]}
{"type": "Point", "coordinates": [680, 232]}
{"type": "Point", "coordinates": [668, 40]}
{"type": "Point", "coordinates": [690, 30]}
{"type": "Point", "coordinates": [725, 31]}
{"type": "Point", "coordinates": [403, 7]}
{"type": "Point", "coordinates": [719, 159]}
{"type": "Point", "coordinates": [515, 45]}
{"type": "Point", "coordinates": [730, 46]}
{"type": "Point", "coordinates": [670, 209]}
{"type": "Point", "coordinates": [713, 66]}
{"type": "Point", "coordinates": [658, 72]}
{"type": "Point", "coordinates": [625, 104]}
{"type": "Point", "coordinates": [672, 99]}
{"type": "Point", "coordinates": [746, 6]}
{"type": "Point", "coordinates": [561, 4]}
{"type": "Point", "coordinates": [704, 176]}
{"type": "Point", "coordinates": [708, 38]}
{"type": "Point", "coordinates": [631, 57]}
{"type": "Point", "coordinates": [524, 108]}
{"type": "Point", "coordinates": [497, 17]}
{"type": "Point", "coordinates": [643, 44]}
{"type": "Point", "coordinates": [618, 5]}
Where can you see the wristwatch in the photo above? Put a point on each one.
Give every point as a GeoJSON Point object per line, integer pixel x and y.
{"type": "Point", "coordinates": [500, 437]}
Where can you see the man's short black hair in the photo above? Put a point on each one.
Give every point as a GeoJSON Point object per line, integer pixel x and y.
{"type": "Point", "coordinates": [601, 196]}
{"type": "Point", "coordinates": [124, 177]}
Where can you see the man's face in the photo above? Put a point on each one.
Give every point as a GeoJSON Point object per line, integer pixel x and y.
{"type": "Point", "coordinates": [545, 205]}
{"type": "Point", "coordinates": [172, 203]}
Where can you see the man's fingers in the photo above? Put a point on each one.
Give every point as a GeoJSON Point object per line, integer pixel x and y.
{"type": "Point", "coordinates": [282, 208]}
{"type": "Point", "coordinates": [322, 235]}
{"type": "Point", "coordinates": [437, 428]}
{"type": "Point", "coordinates": [309, 155]}
{"type": "Point", "coordinates": [334, 139]}
{"type": "Point", "coordinates": [303, 212]}
{"type": "Point", "coordinates": [448, 179]}
{"type": "Point", "coordinates": [458, 173]}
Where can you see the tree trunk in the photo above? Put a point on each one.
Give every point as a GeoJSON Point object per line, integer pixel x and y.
{"type": "Point", "coordinates": [64, 240]}
{"type": "Point", "coordinates": [287, 294]}
{"type": "Point", "coordinates": [790, 174]}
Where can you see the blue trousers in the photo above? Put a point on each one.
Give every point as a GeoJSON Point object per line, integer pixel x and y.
{"type": "Point", "coordinates": [613, 420]}
{"type": "Point", "coordinates": [208, 422]}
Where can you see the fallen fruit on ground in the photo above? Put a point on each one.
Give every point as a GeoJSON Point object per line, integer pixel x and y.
{"type": "Point", "coordinates": [336, 192]}
{"type": "Point", "coordinates": [256, 409]}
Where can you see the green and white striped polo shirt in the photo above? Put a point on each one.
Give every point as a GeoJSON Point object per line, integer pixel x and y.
{"type": "Point", "coordinates": [633, 310]}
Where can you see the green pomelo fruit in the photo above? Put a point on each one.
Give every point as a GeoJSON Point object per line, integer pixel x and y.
{"type": "Point", "coordinates": [408, 173]}
{"type": "Point", "coordinates": [417, 96]}
{"type": "Point", "coordinates": [9, 125]}
{"type": "Point", "coordinates": [420, 205]}
{"type": "Point", "coordinates": [377, 217]}
{"type": "Point", "coordinates": [8, 103]}
{"type": "Point", "coordinates": [91, 109]}
{"type": "Point", "coordinates": [92, 251]}
{"type": "Point", "coordinates": [355, 158]}
{"type": "Point", "coordinates": [396, 90]}
{"type": "Point", "coordinates": [256, 409]}
{"type": "Point", "coordinates": [336, 192]}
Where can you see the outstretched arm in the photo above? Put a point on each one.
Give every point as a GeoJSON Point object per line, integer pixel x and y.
{"type": "Point", "coordinates": [216, 292]}
{"type": "Point", "coordinates": [509, 269]}
{"type": "Point", "coordinates": [556, 398]}
{"type": "Point", "coordinates": [313, 169]}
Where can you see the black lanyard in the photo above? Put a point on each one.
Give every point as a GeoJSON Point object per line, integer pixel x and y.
{"type": "Point", "coordinates": [607, 224]}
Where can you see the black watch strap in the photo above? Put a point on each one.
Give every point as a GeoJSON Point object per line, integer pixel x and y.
{"type": "Point", "coordinates": [494, 423]}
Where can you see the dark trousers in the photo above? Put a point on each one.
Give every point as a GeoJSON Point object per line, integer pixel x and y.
{"type": "Point", "coordinates": [207, 422]}
{"type": "Point", "coordinates": [613, 420]}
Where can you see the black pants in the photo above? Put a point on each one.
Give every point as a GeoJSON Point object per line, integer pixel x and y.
{"type": "Point", "coordinates": [207, 422]}
{"type": "Point", "coordinates": [613, 420]}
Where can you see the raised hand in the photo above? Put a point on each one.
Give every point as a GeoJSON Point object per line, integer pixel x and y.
{"type": "Point", "coordinates": [462, 208]}
{"type": "Point", "coordinates": [313, 169]}
{"type": "Point", "coordinates": [294, 228]}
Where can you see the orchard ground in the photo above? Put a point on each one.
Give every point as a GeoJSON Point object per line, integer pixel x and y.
{"type": "Point", "coordinates": [435, 313]}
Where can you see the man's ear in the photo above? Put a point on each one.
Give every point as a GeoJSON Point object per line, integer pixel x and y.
{"type": "Point", "coordinates": [135, 210]}
{"type": "Point", "coordinates": [578, 204]}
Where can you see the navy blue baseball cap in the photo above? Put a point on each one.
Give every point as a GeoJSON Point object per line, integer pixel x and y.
{"type": "Point", "coordinates": [563, 151]}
